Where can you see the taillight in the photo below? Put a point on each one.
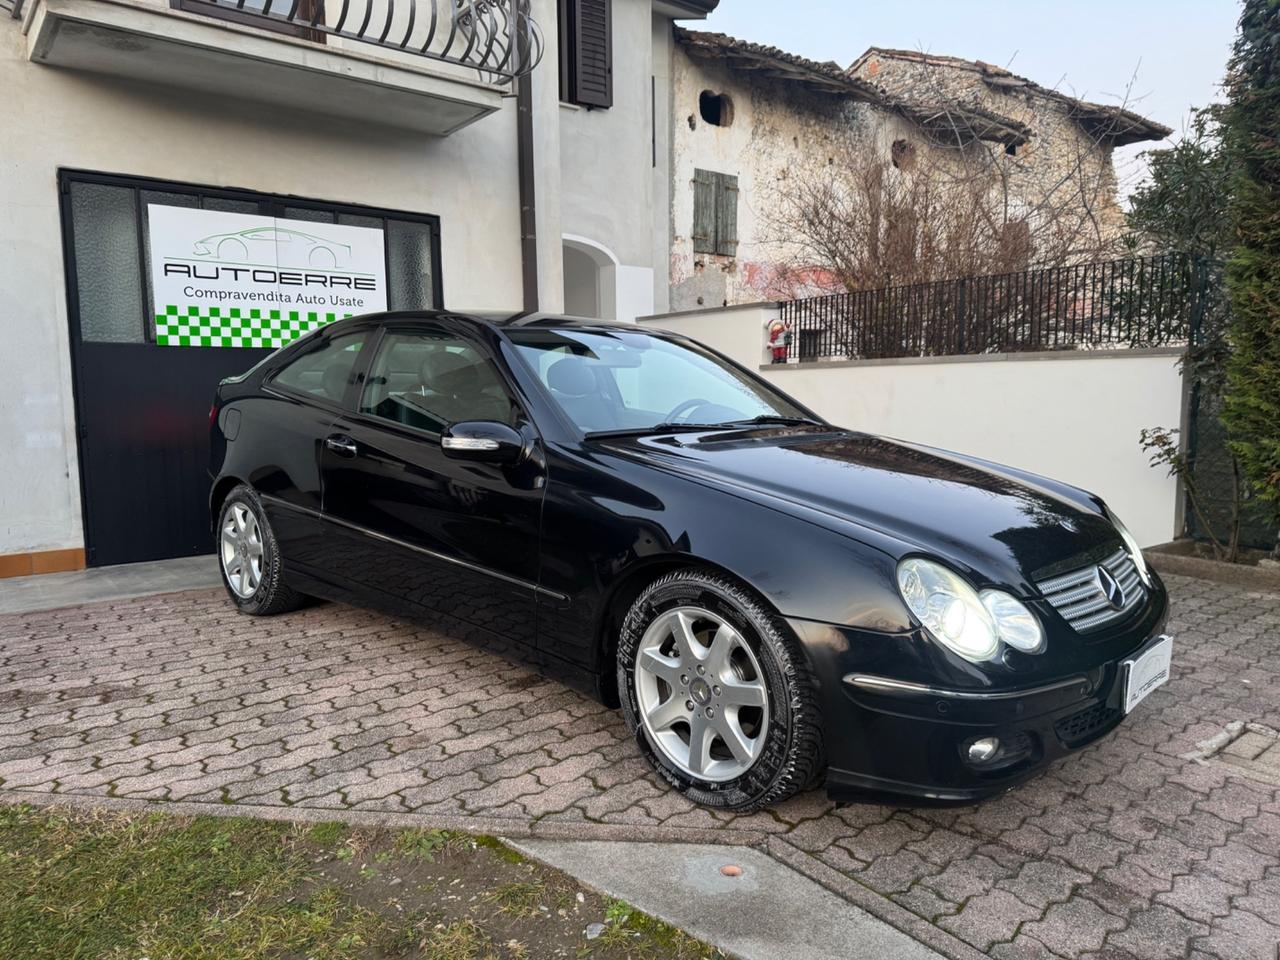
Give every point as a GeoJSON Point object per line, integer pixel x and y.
{"type": "Point", "coordinates": [213, 415]}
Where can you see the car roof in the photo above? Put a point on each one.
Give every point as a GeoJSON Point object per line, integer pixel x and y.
{"type": "Point", "coordinates": [495, 319]}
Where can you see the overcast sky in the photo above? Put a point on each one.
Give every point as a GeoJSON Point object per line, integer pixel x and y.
{"type": "Point", "coordinates": [1088, 48]}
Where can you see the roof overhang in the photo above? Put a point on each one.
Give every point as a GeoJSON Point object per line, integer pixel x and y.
{"type": "Point", "coordinates": [770, 63]}
{"type": "Point", "coordinates": [955, 124]}
{"type": "Point", "coordinates": [1106, 123]}
{"type": "Point", "coordinates": [685, 9]}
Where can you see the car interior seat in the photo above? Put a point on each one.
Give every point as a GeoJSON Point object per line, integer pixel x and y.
{"type": "Point", "coordinates": [573, 383]}
{"type": "Point", "coordinates": [334, 381]}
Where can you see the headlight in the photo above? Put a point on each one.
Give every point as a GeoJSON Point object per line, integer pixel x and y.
{"type": "Point", "coordinates": [1015, 624]}
{"type": "Point", "coordinates": [1131, 545]}
{"type": "Point", "coordinates": [949, 608]}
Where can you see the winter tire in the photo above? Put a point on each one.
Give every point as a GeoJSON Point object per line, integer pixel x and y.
{"type": "Point", "coordinates": [718, 693]}
{"type": "Point", "coordinates": [249, 557]}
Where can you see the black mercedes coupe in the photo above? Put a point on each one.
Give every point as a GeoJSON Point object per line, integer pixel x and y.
{"type": "Point", "coordinates": [774, 602]}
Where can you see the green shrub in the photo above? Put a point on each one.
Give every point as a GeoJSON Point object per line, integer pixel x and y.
{"type": "Point", "coordinates": [1251, 122]}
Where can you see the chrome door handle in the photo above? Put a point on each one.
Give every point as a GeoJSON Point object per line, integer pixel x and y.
{"type": "Point", "coordinates": [342, 446]}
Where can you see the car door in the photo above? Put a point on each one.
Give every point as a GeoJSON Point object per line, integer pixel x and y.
{"type": "Point", "coordinates": [282, 433]}
{"type": "Point", "coordinates": [413, 526]}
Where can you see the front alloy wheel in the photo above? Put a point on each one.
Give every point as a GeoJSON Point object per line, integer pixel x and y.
{"type": "Point", "coordinates": [702, 699]}
{"type": "Point", "coordinates": [719, 693]}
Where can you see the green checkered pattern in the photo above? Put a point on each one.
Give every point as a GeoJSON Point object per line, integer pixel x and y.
{"type": "Point", "coordinates": [235, 327]}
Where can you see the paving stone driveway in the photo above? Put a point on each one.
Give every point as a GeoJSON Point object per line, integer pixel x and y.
{"type": "Point", "coordinates": [1125, 849]}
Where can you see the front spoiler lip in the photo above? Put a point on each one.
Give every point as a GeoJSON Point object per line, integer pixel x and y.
{"type": "Point", "coordinates": [848, 786]}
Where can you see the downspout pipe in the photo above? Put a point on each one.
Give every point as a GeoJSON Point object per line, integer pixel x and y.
{"type": "Point", "coordinates": [528, 193]}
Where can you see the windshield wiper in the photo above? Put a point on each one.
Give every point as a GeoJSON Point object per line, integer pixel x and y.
{"type": "Point", "coordinates": [768, 418]}
{"type": "Point", "coordinates": [657, 428]}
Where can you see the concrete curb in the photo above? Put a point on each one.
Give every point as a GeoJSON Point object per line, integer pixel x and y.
{"type": "Point", "coordinates": [1216, 571]}
{"type": "Point", "coordinates": [880, 907]}
{"type": "Point", "coordinates": [487, 826]}
{"type": "Point", "coordinates": [774, 912]}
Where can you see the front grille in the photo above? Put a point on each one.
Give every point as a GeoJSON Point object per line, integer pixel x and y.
{"type": "Point", "coordinates": [1084, 725]}
{"type": "Point", "coordinates": [1080, 599]}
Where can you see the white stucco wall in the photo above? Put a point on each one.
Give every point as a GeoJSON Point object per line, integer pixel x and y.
{"type": "Point", "coordinates": [606, 163]}
{"type": "Point", "coordinates": [54, 118]}
{"type": "Point", "coordinates": [1073, 416]}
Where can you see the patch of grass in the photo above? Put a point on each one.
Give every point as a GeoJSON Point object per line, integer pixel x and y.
{"type": "Point", "coordinates": [427, 844]}
{"type": "Point", "coordinates": [115, 887]}
{"type": "Point", "coordinates": [112, 887]}
{"type": "Point", "coordinates": [328, 834]}
{"type": "Point", "coordinates": [520, 899]}
{"type": "Point", "coordinates": [499, 849]}
{"type": "Point", "coordinates": [643, 936]}
{"type": "Point", "coordinates": [617, 911]}
{"type": "Point", "coordinates": [458, 941]}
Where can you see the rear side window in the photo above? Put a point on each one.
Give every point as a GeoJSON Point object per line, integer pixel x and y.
{"type": "Point", "coordinates": [428, 380]}
{"type": "Point", "coordinates": [325, 371]}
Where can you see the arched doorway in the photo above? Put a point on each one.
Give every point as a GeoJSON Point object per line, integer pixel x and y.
{"type": "Point", "coordinates": [589, 279]}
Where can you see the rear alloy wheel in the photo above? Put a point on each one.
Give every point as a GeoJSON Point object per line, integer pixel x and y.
{"type": "Point", "coordinates": [241, 551]}
{"type": "Point", "coordinates": [249, 557]}
{"type": "Point", "coordinates": [718, 693]}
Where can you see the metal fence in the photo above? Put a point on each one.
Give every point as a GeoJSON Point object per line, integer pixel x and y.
{"type": "Point", "coordinates": [1136, 302]}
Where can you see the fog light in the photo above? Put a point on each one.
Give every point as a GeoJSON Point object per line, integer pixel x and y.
{"type": "Point", "coordinates": [980, 751]}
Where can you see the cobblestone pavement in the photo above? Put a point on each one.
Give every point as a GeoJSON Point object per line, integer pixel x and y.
{"type": "Point", "coordinates": [1125, 849]}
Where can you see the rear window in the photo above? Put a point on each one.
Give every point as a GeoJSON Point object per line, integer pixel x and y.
{"type": "Point", "coordinates": [324, 371]}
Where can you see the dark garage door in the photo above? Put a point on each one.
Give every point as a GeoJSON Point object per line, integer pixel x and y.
{"type": "Point", "coordinates": [142, 410]}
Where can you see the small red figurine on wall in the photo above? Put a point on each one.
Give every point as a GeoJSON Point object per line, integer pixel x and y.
{"type": "Point", "coordinates": [779, 341]}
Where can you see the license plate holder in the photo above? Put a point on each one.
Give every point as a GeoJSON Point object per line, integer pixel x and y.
{"type": "Point", "coordinates": [1146, 671]}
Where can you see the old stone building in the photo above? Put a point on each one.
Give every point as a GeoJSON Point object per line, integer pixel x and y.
{"type": "Point", "coordinates": [792, 177]}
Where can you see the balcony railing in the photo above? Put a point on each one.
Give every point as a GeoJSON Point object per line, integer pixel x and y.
{"type": "Point", "coordinates": [497, 38]}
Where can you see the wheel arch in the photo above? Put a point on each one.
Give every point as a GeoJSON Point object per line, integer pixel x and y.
{"type": "Point", "coordinates": [222, 487]}
{"type": "Point", "coordinates": [623, 593]}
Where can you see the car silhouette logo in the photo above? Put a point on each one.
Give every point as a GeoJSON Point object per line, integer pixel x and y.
{"type": "Point", "coordinates": [1109, 587]}
{"type": "Point", "coordinates": [274, 247]}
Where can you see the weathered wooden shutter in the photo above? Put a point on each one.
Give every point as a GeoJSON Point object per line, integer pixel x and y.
{"type": "Point", "coordinates": [726, 215]}
{"type": "Point", "coordinates": [593, 52]}
{"type": "Point", "coordinates": [704, 211]}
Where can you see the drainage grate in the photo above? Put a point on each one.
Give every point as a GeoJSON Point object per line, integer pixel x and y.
{"type": "Point", "coordinates": [1079, 727]}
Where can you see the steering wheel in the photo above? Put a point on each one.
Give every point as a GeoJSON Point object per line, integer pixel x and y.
{"type": "Point", "coordinates": [682, 408]}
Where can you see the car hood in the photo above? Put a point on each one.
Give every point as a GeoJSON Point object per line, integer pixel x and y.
{"type": "Point", "coordinates": [1007, 526]}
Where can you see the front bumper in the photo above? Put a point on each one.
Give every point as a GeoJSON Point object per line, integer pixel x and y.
{"type": "Point", "coordinates": [912, 739]}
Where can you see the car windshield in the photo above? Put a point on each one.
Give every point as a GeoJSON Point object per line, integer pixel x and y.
{"type": "Point", "coordinates": [621, 381]}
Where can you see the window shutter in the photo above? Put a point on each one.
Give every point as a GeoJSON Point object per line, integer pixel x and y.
{"type": "Point", "coordinates": [704, 211]}
{"type": "Point", "coordinates": [593, 52]}
{"type": "Point", "coordinates": [726, 215]}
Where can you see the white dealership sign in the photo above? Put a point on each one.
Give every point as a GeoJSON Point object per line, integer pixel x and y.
{"type": "Point", "coordinates": [238, 280]}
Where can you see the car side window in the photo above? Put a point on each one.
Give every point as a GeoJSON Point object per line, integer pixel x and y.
{"type": "Point", "coordinates": [428, 380]}
{"type": "Point", "coordinates": [326, 370]}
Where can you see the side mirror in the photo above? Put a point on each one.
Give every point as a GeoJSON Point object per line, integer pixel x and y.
{"type": "Point", "coordinates": [482, 441]}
